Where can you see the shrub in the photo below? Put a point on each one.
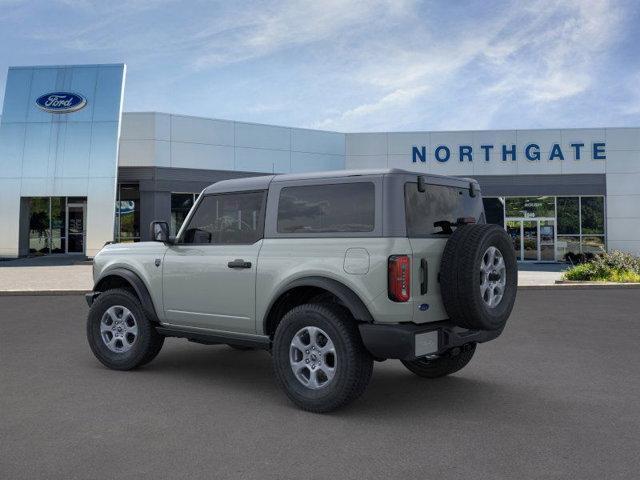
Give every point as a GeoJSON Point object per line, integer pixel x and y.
{"type": "Point", "coordinates": [615, 266]}
{"type": "Point", "coordinates": [617, 260]}
{"type": "Point", "coordinates": [577, 258]}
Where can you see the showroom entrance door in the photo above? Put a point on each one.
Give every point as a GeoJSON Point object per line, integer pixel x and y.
{"type": "Point", "coordinates": [534, 240]}
{"type": "Point", "coordinates": [76, 229]}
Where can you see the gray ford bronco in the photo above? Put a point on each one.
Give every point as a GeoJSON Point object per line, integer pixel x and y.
{"type": "Point", "coordinates": [327, 271]}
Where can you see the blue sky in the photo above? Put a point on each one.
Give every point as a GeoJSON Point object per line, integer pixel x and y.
{"type": "Point", "coordinates": [376, 65]}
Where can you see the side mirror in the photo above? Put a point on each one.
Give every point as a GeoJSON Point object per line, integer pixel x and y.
{"type": "Point", "coordinates": [159, 231]}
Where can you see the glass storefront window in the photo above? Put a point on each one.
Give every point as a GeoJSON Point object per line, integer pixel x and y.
{"type": "Point", "coordinates": [39, 228]}
{"type": "Point", "coordinates": [58, 225]}
{"type": "Point", "coordinates": [580, 225]}
{"type": "Point", "coordinates": [181, 203]}
{"type": "Point", "coordinates": [494, 210]}
{"type": "Point", "coordinates": [48, 227]}
{"type": "Point", "coordinates": [530, 207]}
{"type": "Point", "coordinates": [567, 244]}
{"type": "Point", "coordinates": [592, 213]}
{"type": "Point", "coordinates": [128, 214]}
{"type": "Point", "coordinates": [593, 244]}
{"type": "Point", "coordinates": [568, 216]}
{"type": "Point", "coordinates": [514, 231]}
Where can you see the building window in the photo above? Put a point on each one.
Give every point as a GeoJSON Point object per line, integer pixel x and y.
{"type": "Point", "coordinates": [39, 226]}
{"type": "Point", "coordinates": [58, 225]}
{"type": "Point", "coordinates": [568, 215]}
{"type": "Point", "coordinates": [181, 203]}
{"type": "Point", "coordinates": [580, 220]}
{"type": "Point", "coordinates": [494, 210]}
{"type": "Point", "coordinates": [53, 222]}
{"type": "Point", "coordinates": [580, 225]}
{"type": "Point", "coordinates": [592, 215]}
{"type": "Point", "coordinates": [127, 225]}
{"type": "Point", "coordinates": [530, 207]}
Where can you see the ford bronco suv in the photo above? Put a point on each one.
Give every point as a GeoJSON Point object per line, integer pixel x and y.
{"type": "Point", "coordinates": [327, 271]}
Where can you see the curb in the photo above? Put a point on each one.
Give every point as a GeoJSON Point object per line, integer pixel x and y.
{"type": "Point", "coordinates": [581, 286]}
{"type": "Point", "coordinates": [21, 293]}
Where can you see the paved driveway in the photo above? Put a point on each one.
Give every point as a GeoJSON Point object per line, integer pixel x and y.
{"type": "Point", "coordinates": [557, 396]}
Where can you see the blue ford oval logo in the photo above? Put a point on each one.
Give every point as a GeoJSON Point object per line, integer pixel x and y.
{"type": "Point", "coordinates": [61, 102]}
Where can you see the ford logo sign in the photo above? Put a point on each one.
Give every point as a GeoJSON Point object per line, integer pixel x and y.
{"type": "Point", "coordinates": [61, 102]}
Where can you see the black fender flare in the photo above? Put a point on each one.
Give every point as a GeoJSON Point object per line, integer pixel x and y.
{"type": "Point", "coordinates": [136, 283]}
{"type": "Point", "coordinates": [347, 296]}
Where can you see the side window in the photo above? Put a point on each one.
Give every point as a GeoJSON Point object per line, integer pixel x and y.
{"type": "Point", "coordinates": [341, 207]}
{"type": "Point", "coordinates": [227, 219]}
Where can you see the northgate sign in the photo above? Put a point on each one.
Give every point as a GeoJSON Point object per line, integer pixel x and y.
{"type": "Point", "coordinates": [531, 152]}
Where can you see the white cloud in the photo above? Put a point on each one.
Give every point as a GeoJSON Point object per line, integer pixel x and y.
{"type": "Point", "coordinates": [398, 98]}
{"type": "Point", "coordinates": [350, 64]}
{"type": "Point", "coordinates": [550, 57]}
{"type": "Point", "coordinates": [534, 55]}
{"type": "Point", "coordinates": [286, 24]}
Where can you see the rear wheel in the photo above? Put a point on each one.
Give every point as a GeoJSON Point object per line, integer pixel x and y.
{"type": "Point", "coordinates": [319, 359]}
{"type": "Point", "coordinates": [119, 333]}
{"type": "Point", "coordinates": [451, 362]}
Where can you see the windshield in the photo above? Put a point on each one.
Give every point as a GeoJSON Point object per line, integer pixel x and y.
{"type": "Point", "coordinates": [437, 210]}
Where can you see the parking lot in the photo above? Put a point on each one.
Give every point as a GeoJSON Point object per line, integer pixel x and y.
{"type": "Point", "coordinates": [557, 396]}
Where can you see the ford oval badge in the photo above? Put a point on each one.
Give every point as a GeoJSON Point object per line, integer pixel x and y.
{"type": "Point", "coordinates": [61, 102]}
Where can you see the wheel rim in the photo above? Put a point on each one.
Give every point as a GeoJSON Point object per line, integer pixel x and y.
{"type": "Point", "coordinates": [312, 357]}
{"type": "Point", "coordinates": [118, 329]}
{"type": "Point", "coordinates": [493, 277]}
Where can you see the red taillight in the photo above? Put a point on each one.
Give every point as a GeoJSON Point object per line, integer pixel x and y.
{"type": "Point", "coordinates": [399, 278]}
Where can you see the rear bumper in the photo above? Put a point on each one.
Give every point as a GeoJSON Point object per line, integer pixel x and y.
{"type": "Point", "coordinates": [410, 341]}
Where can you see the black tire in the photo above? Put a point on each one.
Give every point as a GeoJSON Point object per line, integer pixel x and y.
{"type": "Point", "coordinates": [241, 348]}
{"type": "Point", "coordinates": [147, 344]}
{"type": "Point", "coordinates": [461, 278]}
{"type": "Point", "coordinates": [444, 365]}
{"type": "Point", "coordinates": [353, 364]}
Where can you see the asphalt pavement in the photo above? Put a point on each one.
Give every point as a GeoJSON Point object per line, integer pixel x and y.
{"type": "Point", "coordinates": [556, 396]}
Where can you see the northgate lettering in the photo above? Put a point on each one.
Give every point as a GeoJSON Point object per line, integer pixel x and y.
{"type": "Point", "coordinates": [577, 151]}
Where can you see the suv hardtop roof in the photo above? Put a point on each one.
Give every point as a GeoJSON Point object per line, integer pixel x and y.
{"type": "Point", "coordinates": [263, 182]}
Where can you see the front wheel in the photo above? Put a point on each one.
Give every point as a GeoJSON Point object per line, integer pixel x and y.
{"type": "Point", "coordinates": [119, 333]}
{"type": "Point", "coordinates": [319, 359]}
{"type": "Point", "coordinates": [451, 362]}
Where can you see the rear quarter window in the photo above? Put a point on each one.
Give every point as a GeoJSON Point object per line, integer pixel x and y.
{"type": "Point", "coordinates": [330, 208]}
{"type": "Point", "coordinates": [423, 210]}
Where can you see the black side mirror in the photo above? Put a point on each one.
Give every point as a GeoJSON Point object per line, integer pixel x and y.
{"type": "Point", "coordinates": [159, 231]}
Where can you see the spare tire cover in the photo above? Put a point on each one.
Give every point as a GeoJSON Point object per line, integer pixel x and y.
{"type": "Point", "coordinates": [479, 277]}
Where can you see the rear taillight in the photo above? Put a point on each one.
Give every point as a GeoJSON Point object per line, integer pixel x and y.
{"type": "Point", "coordinates": [399, 278]}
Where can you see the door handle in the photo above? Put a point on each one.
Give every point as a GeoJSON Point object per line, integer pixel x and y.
{"type": "Point", "coordinates": [239, 263]}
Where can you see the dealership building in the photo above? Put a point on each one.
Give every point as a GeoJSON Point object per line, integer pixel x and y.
{"type": "Point", "coordinates": [76, 171]}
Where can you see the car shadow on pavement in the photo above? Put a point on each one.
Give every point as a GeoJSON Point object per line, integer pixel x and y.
{"type": "Point", "coordinates": [393, 391]}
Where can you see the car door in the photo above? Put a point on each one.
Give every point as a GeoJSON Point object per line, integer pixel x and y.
{"type": "Point", "coordinates": [209, 274]}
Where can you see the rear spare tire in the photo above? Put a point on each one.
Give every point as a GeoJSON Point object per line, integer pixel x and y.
{"type": "Point", "coordinates": [479, 277]}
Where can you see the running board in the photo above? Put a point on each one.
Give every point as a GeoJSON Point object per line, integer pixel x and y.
{"type": "Point", "coordinates": [215, 338]}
